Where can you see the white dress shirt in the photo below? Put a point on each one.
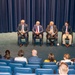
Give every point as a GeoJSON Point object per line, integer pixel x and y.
{"type": "Point", "coordinates": [22, 28]}
{"type": "Point", "coordinates": [38, 28]}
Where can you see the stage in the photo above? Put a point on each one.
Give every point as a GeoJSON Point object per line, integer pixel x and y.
{"type": "Point", "coordinates": [9, 41]}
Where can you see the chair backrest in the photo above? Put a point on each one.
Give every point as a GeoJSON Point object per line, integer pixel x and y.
{"type": "Point", "coordinates": [49, 63]}
{"type": "Point", "coordinates": [49, 74]}
{"type": "Point", "coordinates": [22, 70]}
{"type": "Point", "coordinates": [71, 66]}
{"type": "Point", "coordinates": [5, 69]}
{"type": "Point", "coordinates": [73, 63]}
{"type": "Point", "coordinates": [25, 74]}
{"type": "Point", "coordinates": [13, 65]}
{"type": "Point", "coordinates": [54, 67]}
{"type": "Point", "coordinates": [43, 71]}
{"type": "Point", "coordinates": [4, 60]}
{"type": "Point", "coordinates": [71, 71]}
{"type": "Point", "coordinates": [35, 63]}
{"type": "Point", "coordinates": [68, 63]}
{"type": "Point", "coordinates": [20, 62]}
{"type": "Point", "coordinates": [33, 67]}
{"type": "Point", "coordinates": [6, 73]}
{"type": "Point", "coordinates": [3, 64]}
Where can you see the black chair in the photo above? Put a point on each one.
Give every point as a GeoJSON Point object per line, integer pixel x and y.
{"type": "Point", "coordinates": [66, 39]}
{"type": "Point", "coordinates": [23, 37]}
{"type": "Point", "coordinates": [37, 37]}
{"type": "Point", "coordinates": [52, 40]}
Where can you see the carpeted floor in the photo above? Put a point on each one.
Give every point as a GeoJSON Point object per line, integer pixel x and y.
{"type": "Point", "coordinates": [9, 41]}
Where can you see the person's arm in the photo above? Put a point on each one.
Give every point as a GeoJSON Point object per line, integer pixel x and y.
{"type": "Point", "coordinates": [33, 30]}
{"type": "Point", "coordinates": [47, 29]}
{"type": "Point", "coordinates": [56, 30]}
{"type": "Point", "coordinates": [27, 29]}
{"type": "Point", "coordinates": [70, 30]}
{"type": "Point", "coordinates": [63, 30]}
{"type": "Point", "coordinates": [41, 30]}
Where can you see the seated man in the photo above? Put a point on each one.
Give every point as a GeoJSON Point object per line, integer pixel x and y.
{"type": "Point", "coordinates": [37, 32]}
{"type": "Point", "coordinates": [22, 32]}
{"type": "Point", "coordinates": [67, 32]}
{"type": "Point", "coordinates": [63, 69]}
{"type": "Point", "coordinates": [52, 32]}
{"type": "Point", "coordinates": [34, 58]}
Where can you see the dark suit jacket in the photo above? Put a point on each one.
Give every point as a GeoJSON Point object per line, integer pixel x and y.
{"type": "Point", "coordinates": [25, 27]}
{"type": "Point", "coordinates": [40, 28]}
{"type": "Point", "coordinates": [54, 29]}
{"type": "Point", "coordinates": [64, 29]}
{"type": "Point", "coordinates": [34, 59]}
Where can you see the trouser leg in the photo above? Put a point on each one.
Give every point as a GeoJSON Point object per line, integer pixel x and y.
{"type": "Point", "coordinates": [70, 39]}
{"type": "Point", "coordinates": [63, 38]}
{"type": "Point", "coordinates": [34, 39]}
{"type": "Point", "coordinates": [40, 36]}
{"type": "Point", "coordinates": [19, 40]}
{"type": "Point", "coordinates": [26, 38]}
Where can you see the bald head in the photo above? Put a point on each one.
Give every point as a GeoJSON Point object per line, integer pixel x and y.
{"type": "Point", "coordinates": [37, 22]}
{"type": "Point", "coordinates": [51, 23]}
{"type": "Point", "coordinates": [22, 21]}
{"type": "Point", "coordinates": [34, 52]}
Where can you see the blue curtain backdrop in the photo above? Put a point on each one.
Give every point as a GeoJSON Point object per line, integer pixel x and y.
{"type": "Point", "coordinates": [12, 11]}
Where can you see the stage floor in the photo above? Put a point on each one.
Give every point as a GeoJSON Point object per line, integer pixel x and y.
{"type": "Point", "coordinates": [9, 41]}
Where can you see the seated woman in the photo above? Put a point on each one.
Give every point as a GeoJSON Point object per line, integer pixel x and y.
{"type": "Point", "coordinates": [20, 56]}
{"type": "Point", "coordinates": [66, 58]}
{"type": "Point", "coordinates": [50, 58]}
{"type": "Point", "coordinates": [7, 55]}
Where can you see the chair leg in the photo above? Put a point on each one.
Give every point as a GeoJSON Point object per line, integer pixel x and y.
{"type": "Point", "coordinates": [46, 41]}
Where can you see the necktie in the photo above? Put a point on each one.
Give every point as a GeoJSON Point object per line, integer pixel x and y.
{"type": "Point", "coordinates": [37, 30]}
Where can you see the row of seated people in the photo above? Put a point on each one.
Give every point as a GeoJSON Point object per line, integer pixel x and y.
{"type": "Point", "coordinates": [35, 57]}
{"type": "Point", "coordinates": [37, 33]}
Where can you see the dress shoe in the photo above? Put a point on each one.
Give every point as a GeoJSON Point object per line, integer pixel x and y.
{"type": "Point", "coordinates": [26, 44]}
{"type": "Point", "coordinates": [40, 44]}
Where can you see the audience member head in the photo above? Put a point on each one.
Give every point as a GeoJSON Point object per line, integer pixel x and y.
{"type": "Point", "coordinates": [63, 69]}
{"type": "Point", "coordinates": [51, 57]}
{"type": "Point", "coordinates": [7, 54]}
{"type": "Point", "coordinates": [20, 53]}
{"type": "Point", "coordinates": [34, 52]}
{"type": "Point", "coordinates": [37, 22]}
{"type": "Point", "coordinates": [51, 23]}
{"type": "Point", "coordinates": [66, 56]}
{"type": "Point", "coordinates": [66, 23]}
{"type": "Point", "coordinates": [22, 22]}
{"type": "Point", "coordinates": [73, 59]}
